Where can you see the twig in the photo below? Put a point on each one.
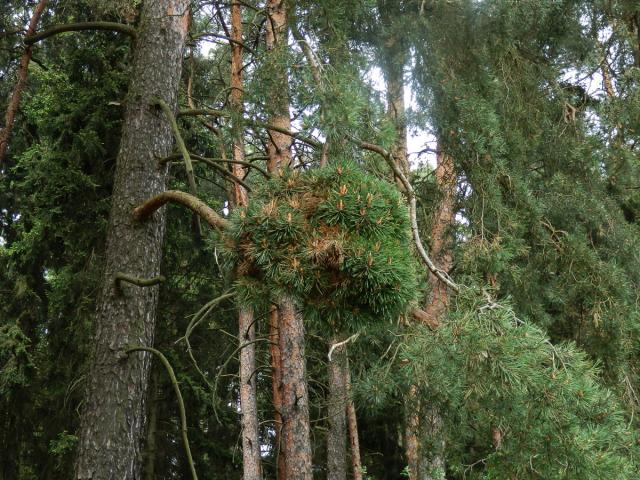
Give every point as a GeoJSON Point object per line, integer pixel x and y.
{"type": "Point", "coordinates": [352, 338]}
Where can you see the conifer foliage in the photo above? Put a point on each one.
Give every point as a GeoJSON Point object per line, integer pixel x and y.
{"type": "Point", "coordinates": [335, 237]}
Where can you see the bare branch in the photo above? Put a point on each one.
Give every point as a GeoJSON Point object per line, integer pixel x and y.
{"type": "Point", "coordinates": [192, 202]}
{"type": "Point", "coordinates": [77, 27]}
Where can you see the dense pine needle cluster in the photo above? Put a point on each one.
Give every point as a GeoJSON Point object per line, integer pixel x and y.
{"type": "Point", "coordinates": [336, 237]}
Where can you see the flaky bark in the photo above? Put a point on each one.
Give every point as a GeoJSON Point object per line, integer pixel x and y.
{"type": "Point", "coordinates": [112, 423]}
{"type": "Point", "coordinates": [295, 397]}
{"type": "Point", "coordinates": [336, 413]}
{"type": "Point", "coordinates": [14, 102]}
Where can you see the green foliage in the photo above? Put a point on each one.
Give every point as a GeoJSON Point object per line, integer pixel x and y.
{"type": "Point", "coordinates": [335, 237]}
{"type": "Point", "coordinates": [490, 373]}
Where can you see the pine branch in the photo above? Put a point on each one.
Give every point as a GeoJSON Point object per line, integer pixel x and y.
{"type": "Point", "coordinates": [144, 211]}
{"type": "Point", "coordinates": [77, 27]}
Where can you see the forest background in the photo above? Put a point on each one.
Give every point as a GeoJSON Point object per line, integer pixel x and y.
{"type": "Point", "coordinates": [358, 309]}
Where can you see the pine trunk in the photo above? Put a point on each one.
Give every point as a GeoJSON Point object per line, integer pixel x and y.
{"type": "Point", "coordinates": [112, 423]}
{"type": "Point", "coordinates": [336, 412]}
{"type": "Point", "coordinates": [246, 325]}
{"type": "Point", "coordinates": [352, 423]}
{"type": "Point", "coordinates": [431, 464]}
{"type": "Point", "coordinates": [279, 152]}
{"type": "Point", "coordinates": [296, 440]}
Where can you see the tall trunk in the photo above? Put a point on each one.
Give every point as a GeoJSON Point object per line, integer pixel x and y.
{"type": "Point", "coordinates": [431, 460]}
{"type": "Point", "coordinates": [249, 407]}
{"type": "Point", "coordinates": [279, 152]}
{"type": "Point", "coordinates": [296, 440]}
{"type": "Point", "coordinates": [246, 324]}
{"type": "Point", "coordinates": [113, 420]}
{"type": "Point", "coordinates": [336, 412]}
{"type": "Point", "coordinates": [276, 382]}
{"type": "Point", "coordinates": [352, 423]}
{"type": "Point", "coordinates": [14, 102]}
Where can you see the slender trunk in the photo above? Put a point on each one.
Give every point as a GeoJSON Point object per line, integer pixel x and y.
{"type": "Point", "coordinates": [14, 102]}
{"type": "Point", "coordinates": [279, 152]}
{"type": "Point", "coordinates": [246, 325]}
{"type": "Point", "coordinates": [352, 423]}
{"type": "Point", "coordinates": [421, 463]}
{"type": "Point", "coordinates": [250, 441]}
{"type": "Point", "coordinates": [296, 440]}
{"type": "Point", "coordinates": [276, 372]}
{"type": "Point", "coordinates": [336, 411]}
{"type": "Point", "coordinates": [112, 423]}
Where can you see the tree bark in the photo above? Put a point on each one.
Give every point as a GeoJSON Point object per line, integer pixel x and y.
{"type": "Point", "coordinates": [279, 153]}
{"type": "Point", "coordinates": [14, 103]}
{"type": "Point", "coordinates": [336, 412]}
{"type": "Point", "coordinates": [279, 148]}
{"type": "Point", "coordinates": [249, 406]}
{"type": "Point", "coordinates": [113, 420]}
{"type": "Point", "coordinates": [431, 460]}
{"type": "Point", "coordinates": [296, 440]}
{"type": "Point", "coordinates": [246, 325]}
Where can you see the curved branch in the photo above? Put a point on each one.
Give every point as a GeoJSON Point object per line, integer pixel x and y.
{"type": "Point", "coordinates": [140, 282]}
{"type": "Point", "coordinates": [411, 195]}
{"type": "Point", "coordinates": [183, 413]}
{"type": "Point", "coordinates": [192, 202]}
{"type": "Point", "coordinates": [77, 27]}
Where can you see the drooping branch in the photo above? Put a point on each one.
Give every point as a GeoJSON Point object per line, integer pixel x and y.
{"type": "Point", "coordinates": [139, 282]}
{"type": "Point", "coordinates": [254, 123]}
{"type": "Point", "coordinates": [183, 413]}
{"type": "Point", "coordinates": [82, 26]}
{"type": "Point", "coordinates": [12, 108]}
{"type": "Point", "coordinates": [190, 201]}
